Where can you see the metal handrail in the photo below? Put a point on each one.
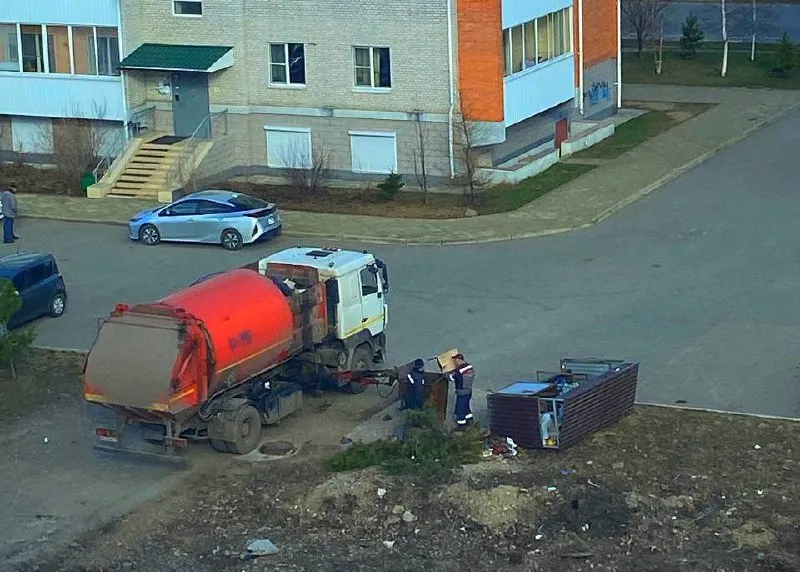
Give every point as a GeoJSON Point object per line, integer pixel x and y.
{"type": "Point", "coordinates": [174, 178]}
{"type": "Point", "coordinates": [104, 161]}
{"type": "Point", "coordinates": [134, 120]}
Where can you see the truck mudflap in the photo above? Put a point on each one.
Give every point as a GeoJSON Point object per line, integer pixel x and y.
{"type": "Point", "coordinates": [150, 445]}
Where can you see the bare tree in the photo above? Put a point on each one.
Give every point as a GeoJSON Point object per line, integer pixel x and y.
{"type": "Point", "coordinates": [643, 16]}
{"type": "Point", "coordinates": [304, 171]}
{"type": "Point", "coordinates": [659, 53]}
{"type": "Point", "coordinates": [420, 154]}
{"type": "Point", "coordinates": [76, 146]}
{"type": "Point", "coordinates": [468, 135]}
{"type": "Point", "coordinates": [724, 38]}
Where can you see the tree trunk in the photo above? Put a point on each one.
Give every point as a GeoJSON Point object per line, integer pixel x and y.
{"type": "Point", "coordinates": [753, 43]}
{"type": "Point", "coordinates": [724, 39]}
{"type": "Point", "coordinates": [639, 43]}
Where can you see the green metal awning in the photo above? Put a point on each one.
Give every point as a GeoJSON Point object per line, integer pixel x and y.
{"type": "Point", "coordinates": [179, 57]}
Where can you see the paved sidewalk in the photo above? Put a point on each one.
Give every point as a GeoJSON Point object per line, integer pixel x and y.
{"type": "Point", "coordinates": [581, 202]}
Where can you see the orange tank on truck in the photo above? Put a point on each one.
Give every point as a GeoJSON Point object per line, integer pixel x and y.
{"type": "Point", "coordinates": [171, 355]}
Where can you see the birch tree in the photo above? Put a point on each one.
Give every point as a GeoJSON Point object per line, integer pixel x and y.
{"type": "Point", "coordinates": [753, 43]}
{"type": "Point", "coordinates": [724, 39]}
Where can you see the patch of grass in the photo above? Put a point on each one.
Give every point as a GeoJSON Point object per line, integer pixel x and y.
{"type": "Point", "coordinates": [427, 450]}
{"type": "Point", "coordinates": [705, 70]}
{"type": "Point", "coordinates": [511, 197]}
{"type": "Point", "coordinates": [629, 135]}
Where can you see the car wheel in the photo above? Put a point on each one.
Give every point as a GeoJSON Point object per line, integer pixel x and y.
{"type": "Point", "coordinates": [231, 239]}
{"type": "Point", "coordinates": [149, 235]}
{"type": "Point", "coordinates": [58, 304]}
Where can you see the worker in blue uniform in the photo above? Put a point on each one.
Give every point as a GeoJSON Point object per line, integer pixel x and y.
{"type": "Point", "coordinates": [463, 377]}
{"type": "Point", "coordinates": [415, 390]}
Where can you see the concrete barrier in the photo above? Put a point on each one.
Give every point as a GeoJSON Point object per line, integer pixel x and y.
{"type": "Point", "coordinates": [587, 137]}
{"type": "Point", "coordinates": [524, 168]}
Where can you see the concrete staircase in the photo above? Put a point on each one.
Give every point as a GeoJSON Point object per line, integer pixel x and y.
{"type": "Point", "coordinates": [151, 169]}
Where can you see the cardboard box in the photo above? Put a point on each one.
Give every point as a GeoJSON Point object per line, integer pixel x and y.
{"type": "Point", "coordinates": [445, 360]}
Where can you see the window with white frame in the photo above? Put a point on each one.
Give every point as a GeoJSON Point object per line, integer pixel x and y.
{"type": "Point", "coordinates": [373, 152]}
{"type": "Point", "coordinates": [288, 147]}
{"type": "Point", "coordinates": [187, 7]}
{"type": "Point", "coordinates": [537, 41]}
{"type": "Point", "coordinates": [107, 51]}
{"type": "Point", "coordinates": [287, 64]}
{"type": "Point", "coordinates": [9, 49]}
{"type": "Point", "coordinates": [372, 66]}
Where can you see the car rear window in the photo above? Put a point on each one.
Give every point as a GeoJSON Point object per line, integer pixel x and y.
{"type": "Point", "coordinates": [247, 203]}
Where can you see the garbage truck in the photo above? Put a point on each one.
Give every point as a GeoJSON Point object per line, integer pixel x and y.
{"type": "Point", "coordinates": [217, 360]}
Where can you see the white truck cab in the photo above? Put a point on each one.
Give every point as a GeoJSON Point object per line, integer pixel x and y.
{"type": "Point", "coordinates": [361, 285]}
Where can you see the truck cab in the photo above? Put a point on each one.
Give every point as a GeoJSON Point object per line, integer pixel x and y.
{"type": "Point", "coordinates": [357, 285]}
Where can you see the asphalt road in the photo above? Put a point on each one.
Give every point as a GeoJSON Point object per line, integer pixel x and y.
{"type": "Point", "coordinates": [698, 282]}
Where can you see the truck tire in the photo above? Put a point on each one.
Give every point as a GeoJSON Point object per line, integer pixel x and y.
{"type": "Point", "coordinates": [220, 446]}
{"type": "Point", "coordinates": [247, 430]}
{"type": "Point", "coordinates": [362, 359]}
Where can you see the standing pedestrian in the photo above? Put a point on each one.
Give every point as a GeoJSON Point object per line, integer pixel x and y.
{"type": "Point", "coordinates": [463, 378]}
{"type": "Point", "coordinates": [9, 208]}
{"type": "Point", "coordinates": [415, 390]}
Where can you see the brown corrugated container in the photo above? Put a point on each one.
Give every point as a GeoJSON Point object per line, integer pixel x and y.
{"type": "Point", "coordinates": [605, 392]}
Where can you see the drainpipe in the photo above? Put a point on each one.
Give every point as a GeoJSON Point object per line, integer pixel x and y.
{"type": "Point", "coordinates": [580, 55]}
{"type": "Point", "coordinates": [122, 75]}
{"type": "Point", "coordinates": [451, 151]}
{"type": "Point", "coordinates": [619, 54]}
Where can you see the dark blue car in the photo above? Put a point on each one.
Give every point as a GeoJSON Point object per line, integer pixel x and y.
{"type": "Point", "coordinates": [36, 277]}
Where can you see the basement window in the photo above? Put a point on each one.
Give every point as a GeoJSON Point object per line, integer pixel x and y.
{"type": "Point", "coordinates": [187, 8]}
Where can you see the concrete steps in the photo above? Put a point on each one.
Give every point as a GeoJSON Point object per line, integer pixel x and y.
{"type": "Point", "coordinates": [145, 174]}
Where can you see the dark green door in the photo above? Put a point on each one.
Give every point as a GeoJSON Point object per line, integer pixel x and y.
{"type": "Point", "coordinates": [190, 105]}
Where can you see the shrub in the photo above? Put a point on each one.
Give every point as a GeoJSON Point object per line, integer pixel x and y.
{"type": "Point", "coordinates": [786, 54]}
{"type": "Point", "coordinates": [14, 342]}
{"type": "Point", "coordinates": [391, 185]}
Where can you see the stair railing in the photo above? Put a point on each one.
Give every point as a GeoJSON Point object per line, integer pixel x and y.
{"type": "Point", "coordinates": [181, 172]}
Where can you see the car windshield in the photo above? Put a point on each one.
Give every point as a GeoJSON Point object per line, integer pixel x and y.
{"type": "Point", "coordinates": [246, 202]}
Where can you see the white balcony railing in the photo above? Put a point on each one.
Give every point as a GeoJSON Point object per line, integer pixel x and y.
{"type": "Point", "coordinates": [63, 12]}
{"type": "Point", "coordinates": [538, 88]}
{"type": "Point", "coordinates": [58, 95]}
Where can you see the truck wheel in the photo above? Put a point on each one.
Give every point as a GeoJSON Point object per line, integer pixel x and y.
{"type": "Point", "coordinates": [220, 446]}
{"type": "Point", "coordinates": [247, 430]}
{"type": "Point", "coordinates": [362, 359]}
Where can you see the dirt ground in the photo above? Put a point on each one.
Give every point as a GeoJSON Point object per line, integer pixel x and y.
{"type": "Point", "coordinates": [663, 490]}
{"type": "Point", "coordinates": [43, 377]}
{"type": "Point", "coordinates": [29, 179]}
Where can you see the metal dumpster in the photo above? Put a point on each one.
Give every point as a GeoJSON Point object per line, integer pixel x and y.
{"type": "Point", "coordinates": [558, 409]}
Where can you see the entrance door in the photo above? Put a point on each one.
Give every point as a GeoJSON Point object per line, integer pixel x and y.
{"type": "Point", "coordinates": [561, 132]}
{"type": "Point", "coordinates": [190, 104]}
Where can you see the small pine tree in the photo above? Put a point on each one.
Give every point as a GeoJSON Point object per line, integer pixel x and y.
{"type": "Point", "coordinates": [786, 54]}
{"type": "Point", "coordinates": [13, 342]}
{"type": "Point", "coordinates": [391, 185]}
{"type": "Point", "coordinates": [692, 35]}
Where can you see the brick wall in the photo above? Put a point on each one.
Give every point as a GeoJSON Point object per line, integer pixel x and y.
{"type": "Point", "coordinates": [415, 31]}
{"type": "Point", "coordinates": [599, 42]}
{"type": "Point", "coordinates": [6, 141]}
{"type": "Point", "coordinates": [480, 59]}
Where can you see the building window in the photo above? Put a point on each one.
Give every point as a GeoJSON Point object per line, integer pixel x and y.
{"type": "Point", "coordinates": [32, 49]}
{"type": "Point", "coordinates": [373, 152]}
{"type": "Point", "coordinates": [58, 49]}
{"type": "Point", "coordinates": [537, 41]}
{"type": "Point", "coordinates": [287, 64]}
{"type": "Point", "coordinates": [288, 147]}
{"type": "Point", "coordinates": [373, 67]}
{"type": "Point", "coordinates": [107, 51]}
{"type": "Point", "coordinates": [187, 7]}
{"type": "Point", "coordinates": [9, 50]}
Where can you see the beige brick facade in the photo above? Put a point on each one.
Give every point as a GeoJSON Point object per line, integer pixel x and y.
{"type": "Point", "coordinates": [414, 30]}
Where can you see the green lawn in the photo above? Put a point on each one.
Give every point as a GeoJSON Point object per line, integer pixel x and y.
{"type": "Point", "coordinates": [512, 197]}
{"type": "Point", "coordinates": [705, 70]}
{"type": "Point", "coordinates": [629, 135]}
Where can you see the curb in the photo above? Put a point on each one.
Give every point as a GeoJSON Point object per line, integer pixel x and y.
{"type": "Point", "coordinates": [720, 411]}
{"type": "Point", "coordinates": [603, 215]}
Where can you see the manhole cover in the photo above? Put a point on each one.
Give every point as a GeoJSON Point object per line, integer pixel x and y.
{"type": "Point", "coordinates": [277, 448]}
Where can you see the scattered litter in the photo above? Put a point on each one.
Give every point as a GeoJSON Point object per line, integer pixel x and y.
{"type": "Point", "coordinates": [756, 446]}
{"type": "Point", "coordinates": [408, 516]}
{"type": "Point", "coordinates": [388, 543]}
{"type": "Point", "coordinates": [760, 492]}
{"type": "Point", "coordinates": [585, 527]}
{"type": "Point", "coordinates": [46, 440]}
{"type": "Point", "coordinates": [387, 417]}
{"type": "Point", "coordinates": [381, 493]}
{"type": "Point", "coordinates": [619, 465]}
{"type": "Point", "coordinates": [416, 531]}
{"type": "Point", "coordinates": [552, 489]}
{"type": "Point", "coordinates": [589, 462]}
{"type": "Point", "coordinates": [398, 509]}
{"type": "Point", "coordinates": [565, 472]}
{"type": "Point", "coordinates": [501, 446]}
{"type": "Point", "coordinates": [511, 443]}
{"type": "Point", "coordinates": [589, 482]}
{"type": "Point", "coordinates": [260, 547]}
{"type": "Point", "coordinates": [538, 537]}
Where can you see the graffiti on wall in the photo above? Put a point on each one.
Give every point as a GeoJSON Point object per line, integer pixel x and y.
{"type": "Point", "coordinates": [598, 93]}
